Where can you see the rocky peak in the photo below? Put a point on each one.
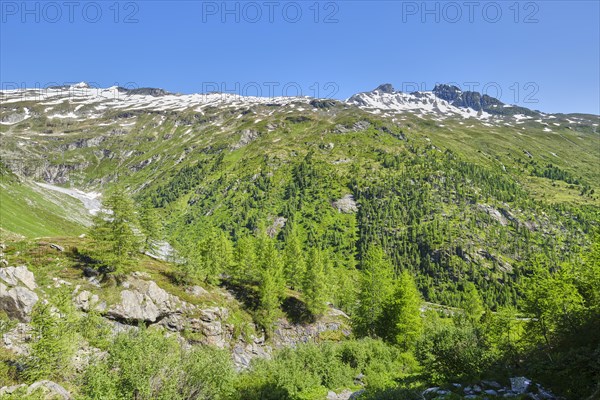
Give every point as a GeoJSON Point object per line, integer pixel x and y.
{"type": "Point", "coordinates": [154, 92]}
{"type": "Point", "coordinates": [447, 92]}
{"type": "Point", "coordinates": [385, 88]}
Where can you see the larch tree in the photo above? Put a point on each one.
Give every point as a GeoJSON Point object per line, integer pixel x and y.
{"type": "Point", "coordinates": [375, 289]}
{"type": "Point", "coordinates": [271, 284]}
{"type": "Point", "coordinates": [401, 321]}
{"type": "Point", "coordinates": [315, 283]}
{"type": "Point", "coordinates": [294, 264]}
{"type": "Point", "coordinates": [116, 232]}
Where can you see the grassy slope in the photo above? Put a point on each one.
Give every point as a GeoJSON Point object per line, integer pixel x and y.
{"type": "Point", "coordinates": [31, 211]}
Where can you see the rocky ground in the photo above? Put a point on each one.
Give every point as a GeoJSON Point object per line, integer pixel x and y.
{"type": "Point", "coordinates": [140, 300]}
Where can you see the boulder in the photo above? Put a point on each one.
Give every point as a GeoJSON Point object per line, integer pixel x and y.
{"type": "Point", "coordinates": [145, 301]}
{"type": "Point", "coordinates": [86, 300]}
{"type": "Point", "coordinates": [57, 247]}
{"type": "Point", "coordinates": [343, 395]}
{"type": "Point", "coordinates": [519, 384]}
{"type": "Point", "coordinates": [11, 389]}
{"type": "Point", "coordinates": [17, 339]}
{"type": "Point", "coordinates": [17, 302]}
{"type": "Point", "coordinates": [48, 389]}
{"type": "Point", "coordinates": [346, 204]}
{"type": "Point", "coordinates": [15, 276]}
{"type": "Point", "coordinates": [196, 291]}
{"type": "Point", "coordinates": [52, 390]}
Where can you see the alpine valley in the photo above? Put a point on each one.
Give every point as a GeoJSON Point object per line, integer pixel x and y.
{"type": "Point", "coordinates": [437, 244]}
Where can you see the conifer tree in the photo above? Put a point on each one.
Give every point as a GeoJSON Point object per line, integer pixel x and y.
{"type": "Point", "coordinates": [315, 283]}
{"type": "Point", "coordinates": [245, 260]}
{"type": "Point", "coordinates": [115, 232]}
{"type": "Point", "coordinates": [472, 303]}
{"type": "Point", "coordinates": [150, 225]}
{"type": "Point", "coordinates": [272, 284]}
{"type": "Point", "coordinates": [216, 255]}
{"type": "Point", "coordinates": [375, 290]}
{"type": "Point", "coordinates": [294, 264]}
{"type": "Point", "coordinates": [401, 321]}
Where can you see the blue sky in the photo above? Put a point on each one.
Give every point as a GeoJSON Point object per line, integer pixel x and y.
{"type": "Point", "coordinates": [542, 54]}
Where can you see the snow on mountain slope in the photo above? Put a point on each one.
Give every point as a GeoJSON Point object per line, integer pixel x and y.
{"type": "Point", "coordinates": [90, 102]}
{"type": "Point", "coordinates": [385, 98]}
{"type": "Point", "coordinates": [81, 102]}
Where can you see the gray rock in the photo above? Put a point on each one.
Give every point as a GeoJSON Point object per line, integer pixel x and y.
{"type": "Point", "coordinates": [135, 306]}
{"type": "Point", "coordinates": [85, 355]}
{"type": "Point", "coordinates": [196, 291]}
{"type": "Point", "coordinates": [519, 384]}
{"type": "Point", "coordinates": [17, 339]}
{"type": "Point", "coordinates": [491, 392]}
{"type": "Point", "coordinates": [346, 204]}
{"type": "Point", "coordinates": [247, 137]}
{"type": "Point", "coordinates": [344, 395]}
{"type": "Point", "coordinates": [11, 389]}
{"type": "Point", "coordinates": [17, 302]}
{"type": "Point", "coordinates": [51, 389]}
{"type": "Point", "coordinates": [491, 384]}
{"type": "Point", "coordinates": [356, 395]}
{"type": "Point", "coordinates": [278, 224]}
{"type": "Point", "coordinates": [145, 301]}
{"type": "Point", "coordinates": [85, 300]}
{"type": "Point", "coordinates": [15, 276]}
{"type": "Point", "coordinates": [57, 247]}
{"type": "Point", "coordinates": [385, 88]}
{"type": "Point", "coordinates": [430, 392]}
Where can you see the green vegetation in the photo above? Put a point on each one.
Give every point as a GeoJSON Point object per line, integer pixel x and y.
{"type": "Point", "coordinates": [460, 252]}
{"type": "Point", "coordinates": [116, 233]}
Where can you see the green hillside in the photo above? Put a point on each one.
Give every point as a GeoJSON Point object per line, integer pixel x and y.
{"type": "Point", "coordinates": [453, 250]}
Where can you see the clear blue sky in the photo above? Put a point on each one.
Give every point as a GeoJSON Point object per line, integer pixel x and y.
{"type": "Point", "coordinates": [550, 50]}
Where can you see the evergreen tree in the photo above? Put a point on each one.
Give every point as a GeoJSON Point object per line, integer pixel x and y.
{"type": "Point", "coordinates": [150, 225]}
{"type": "Point", "coordinates": [272, 284]}
{"type": "Point", "coordinates": [315, 283]}
{"type": "Point", "coordinates": [375, 290]}
{"type": "Point", "coordinates": [401, 321]}
{"type": "Point", "coordinates": [216, 255]}
{"type": "Point", "coordinates": [245, 260]}
{"type": "Point", "coordinates": [115, 232]}
{"type": "Point", "coordinates": [295, 266]}
{"type": "Point", "coordinates": [472, 303]}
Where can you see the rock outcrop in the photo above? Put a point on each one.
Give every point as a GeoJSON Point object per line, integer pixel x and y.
{"type": "Point", "coordinates": [346, 204]}
{"type": "Point", "coordinates": [145, 301]}
{"type": "Point", "coordinates": [15, 276]}
{"type": "Point", "coordinates": [18, 298]}
{"type": "Point", "coordinates": [47, 389]}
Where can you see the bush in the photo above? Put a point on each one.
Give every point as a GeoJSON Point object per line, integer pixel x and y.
{"type": "Point", "coordinates": [310, 370]}
{"type": "Point", "coordinates": [456, 351]}
{"type": "Point", "coordinates": [145, 364]}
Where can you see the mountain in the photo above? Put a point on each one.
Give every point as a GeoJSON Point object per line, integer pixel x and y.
{"type": "Point", "coordinates": [447, 101]}
{"type": "Point", "coordinates": [465, 193]}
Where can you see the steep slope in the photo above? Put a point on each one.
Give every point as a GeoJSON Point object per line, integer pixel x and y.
{"type": "Point", "coordinates": [455, 190]}
{"type": "Point", "coordinates": [32, 210]}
